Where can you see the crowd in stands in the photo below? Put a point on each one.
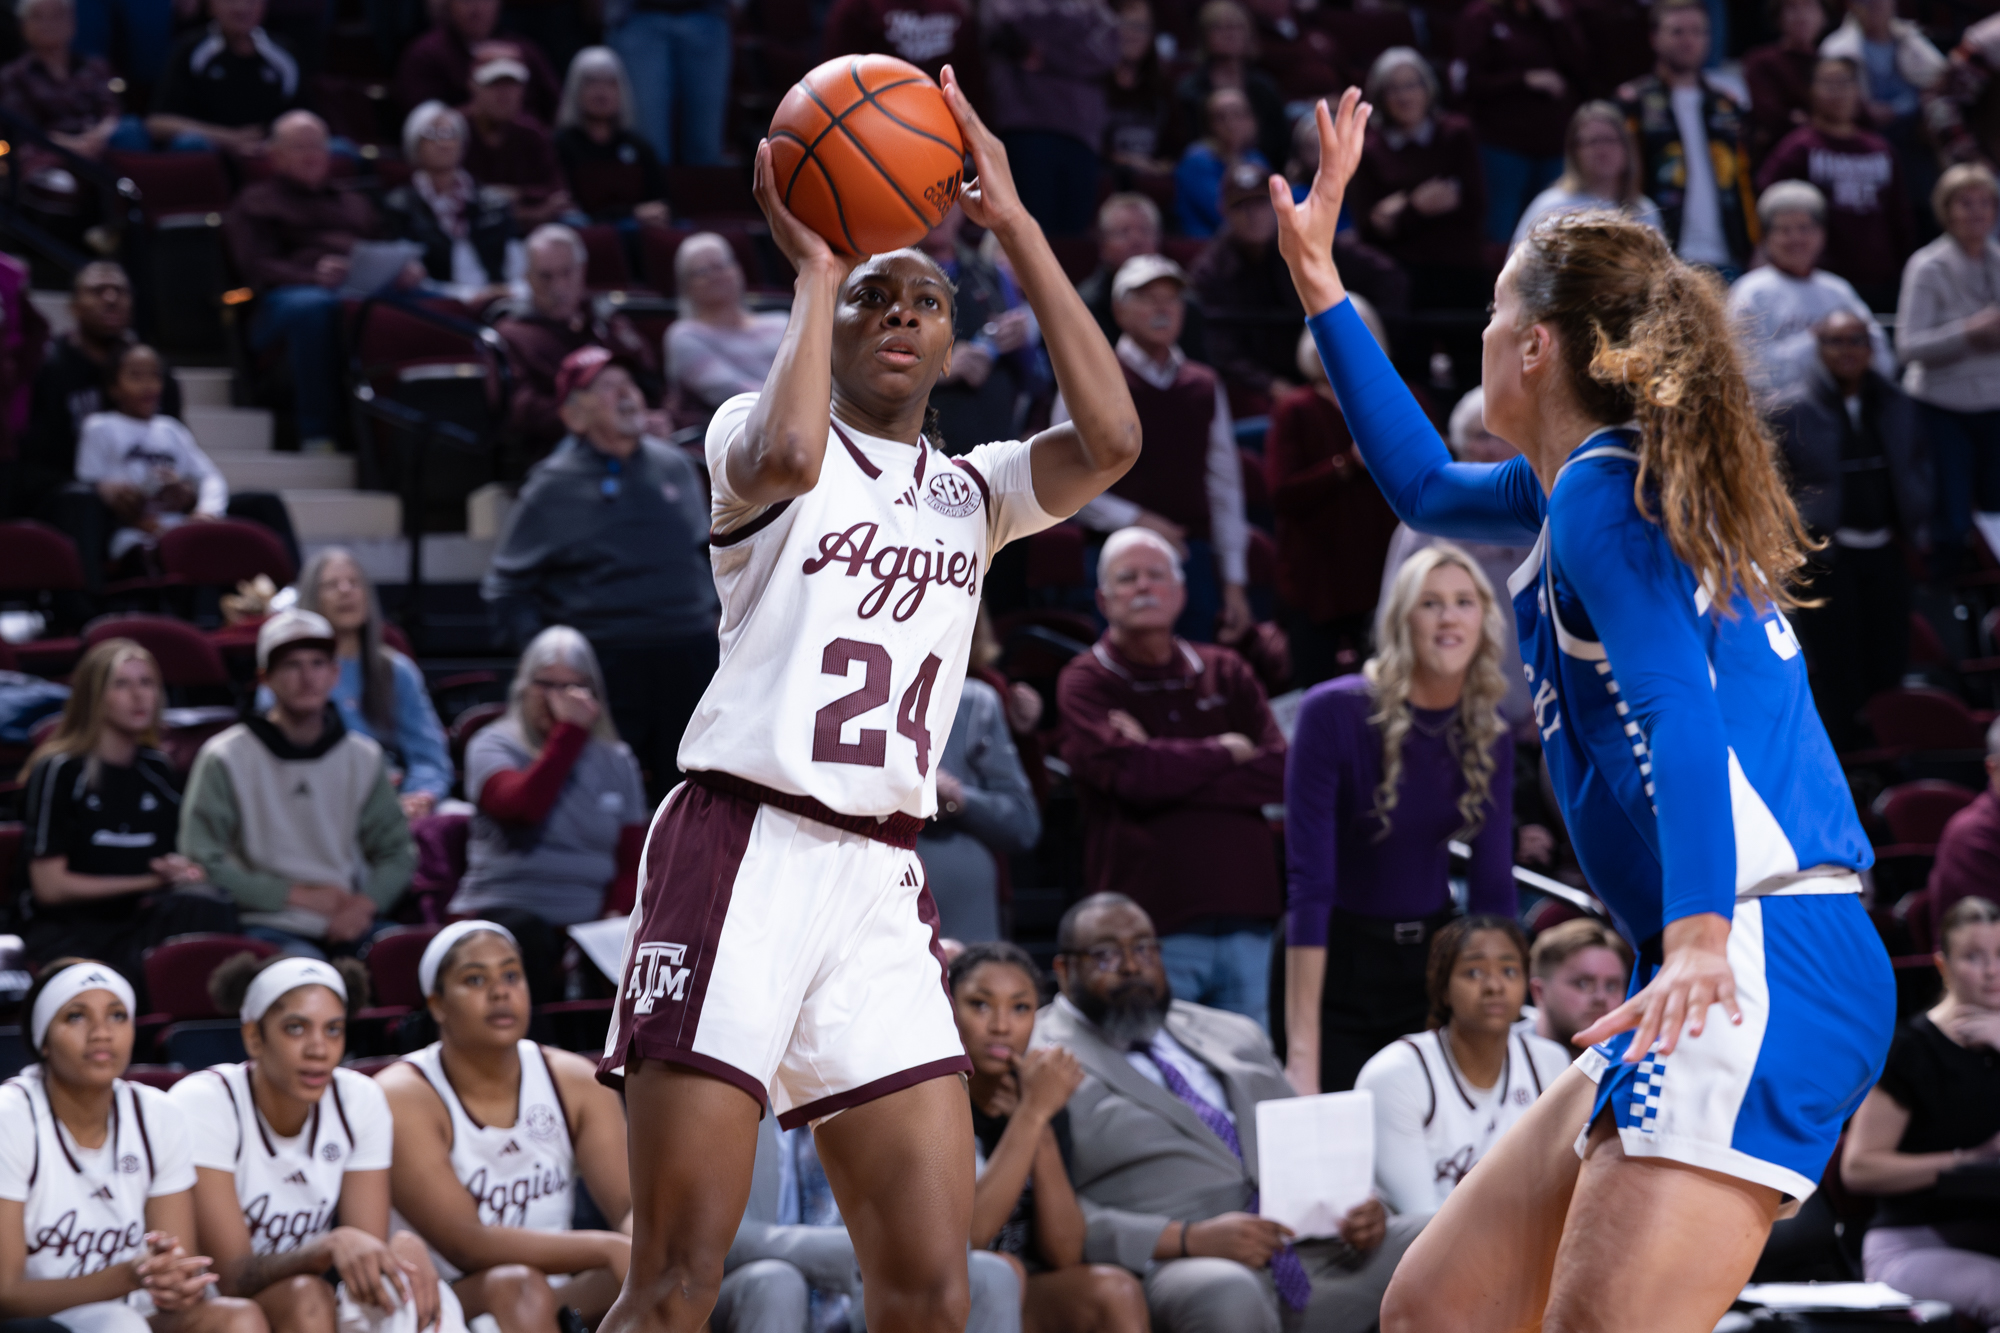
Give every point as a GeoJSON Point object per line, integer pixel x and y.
{"type": "Point", "coordinates": [1301, 763]}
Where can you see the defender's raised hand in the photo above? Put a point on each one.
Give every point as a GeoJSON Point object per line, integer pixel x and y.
{"type": "Point", "coordinates": [1306, 228]}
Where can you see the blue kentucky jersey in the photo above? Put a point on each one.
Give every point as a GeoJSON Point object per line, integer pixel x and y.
{"type": "Point", "coordinates": [1687, 757]}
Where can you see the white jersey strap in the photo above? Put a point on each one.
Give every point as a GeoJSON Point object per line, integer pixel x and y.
{"type": "Point", "coordinates": [34, 1127]}
{"type": "Point", "coordinates": [1429, 1082]}
{"type": "Point", "coordinates": [555, 1090]}
{"type": "Point", "coordinates": [139, 1122]}
{"type": "Point", "coordinates": [1528, 1059]}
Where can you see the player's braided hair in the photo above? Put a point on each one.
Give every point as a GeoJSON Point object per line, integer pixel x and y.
{"type": "Point", "coordinates": [1644, 338]}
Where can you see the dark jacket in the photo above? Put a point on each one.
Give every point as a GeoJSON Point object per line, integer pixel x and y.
{"type": "Point", "coordinates": [1649, 110]}
{"type": "Point", "coordinates": [278, 230]}
{"type": "Point", "coordinates": [408, 216]}
{"type": "Point", "coordinates": [1811, 423]}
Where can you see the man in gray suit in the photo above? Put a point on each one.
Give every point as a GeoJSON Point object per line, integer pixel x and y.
{"type": "Point", "coordinates": [1165, 1148]}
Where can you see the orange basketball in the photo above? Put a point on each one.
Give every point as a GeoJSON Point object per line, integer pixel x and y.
{"type": "Point", "coordinates": [866, 153]}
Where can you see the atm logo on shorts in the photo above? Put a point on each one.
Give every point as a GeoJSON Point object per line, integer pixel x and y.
{"type": "Point", "coordinates": [657, 974]}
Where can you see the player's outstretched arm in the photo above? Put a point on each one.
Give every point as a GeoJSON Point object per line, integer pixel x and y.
{"type": "Point", "coordinates": [784, 441]}
{"type": "Point", "coordinates": [1075, 462]}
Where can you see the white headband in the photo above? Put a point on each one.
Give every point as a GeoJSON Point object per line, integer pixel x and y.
{"type": "Point", "coordinates": [442, 942]}
{"type": "Point", "coordinates": [284, 975]}
{"type": "Point", "coordinates": [65, 986]}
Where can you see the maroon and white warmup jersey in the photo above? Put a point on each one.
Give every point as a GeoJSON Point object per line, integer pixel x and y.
{"type": "Point", "coordinates": [847, 615]}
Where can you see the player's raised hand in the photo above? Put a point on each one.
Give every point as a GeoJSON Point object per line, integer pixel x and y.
{"type": "Point", "coordinates": [1306, 228]}
{"type": "Point", "coordinates": [1695, 975]}
{"type": "Point", "coordinates": [989, 197]}
{"type": "Point", "coordinates": [799, 243]}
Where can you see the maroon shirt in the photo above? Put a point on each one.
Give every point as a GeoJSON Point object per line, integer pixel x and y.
{"type": "Point", "coordinates": [1968, 857]}
{"type": "Point", "coordinates": [927, 33]}
{"type": "Point", "coordinates": [438, 66]}
{"type": "Point", "coordinates": [71, 105]}
{"type": "Point", "coordinates": [536, 346]}
{"type": "Point", "coordinates": [1171, 476]}
{"type": "Point", "coordinates": [1868, 228]}
{"type": "Point", "coordinates": [279, 230]}
{"type": "Point", "coordinates": [1175, 823]}
{"type": "Point", "coordinates": [1499, 45]}
{"type": "Point", "coordinates": [1449, 239]}
{"type": "Point", "coordinates": [523, 156]}
{"type": "Point", "coordinates": [1780, 84]}
{"type": "Point", "coordinates": [1334, 526]}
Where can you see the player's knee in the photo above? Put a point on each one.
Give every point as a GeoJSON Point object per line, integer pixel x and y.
{"type": "Point", "coordinates": [1116, 1299]}
{"type": "Point", "coordinates": [942, 1301]}
{"type": "Point", "coordinates": [309, 1304]}
{"type": "Point", "coordinates": [523, 1294]}
{"type": "Point", "coordinates": [682, 1281]}
{"type": "Point", "coordinates": [229, 1314]}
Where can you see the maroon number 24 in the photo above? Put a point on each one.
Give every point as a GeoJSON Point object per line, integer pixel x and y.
{"type": "Point", "coordinates": [870, 749]}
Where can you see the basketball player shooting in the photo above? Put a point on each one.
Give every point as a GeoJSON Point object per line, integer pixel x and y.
{"type": "Point", "coordinates": [784, 946]}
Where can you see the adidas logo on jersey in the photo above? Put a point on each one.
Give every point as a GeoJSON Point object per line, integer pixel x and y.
{"type": "Point", "coordinates": [513, 1147]}
{"type": "Point", "coordinates": [297, 1178]}
{"type": "Point", "coordinates": [102, 1192]}
{"type": "Point", "coordinates": [910, 880]}
{"type": "Point", "coordinates": [908, 497]}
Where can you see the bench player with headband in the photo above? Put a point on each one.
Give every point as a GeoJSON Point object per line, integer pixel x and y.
{"type": "Point", "coordinates": [1707, 807]}
{"type": "Point", "coordinates": [783, 947]}
{"type": "Point", "coordinates": [291, 1156]}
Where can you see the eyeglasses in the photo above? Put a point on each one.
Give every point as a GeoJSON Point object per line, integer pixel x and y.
{"type": "Point", "coordinates": [549, 686]}
{"type": "Point", "coordinates": [1144, 952]}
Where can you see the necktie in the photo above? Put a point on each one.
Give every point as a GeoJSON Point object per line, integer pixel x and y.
{"type": "Point", "coordinates": [1287, 1273]}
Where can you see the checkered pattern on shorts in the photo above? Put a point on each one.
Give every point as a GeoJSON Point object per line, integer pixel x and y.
{"type": "Point", "coordinates": [1646, 1087]}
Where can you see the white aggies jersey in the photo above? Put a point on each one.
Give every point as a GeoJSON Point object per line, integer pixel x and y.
{"type": "Point", "coordinates": [288, 1188]}
{"type": "Point", "coordinates": [847, 615]}
{"type": "Point", "coordinates": [519, 1176]}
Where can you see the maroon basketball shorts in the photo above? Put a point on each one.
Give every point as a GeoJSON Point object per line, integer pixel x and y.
{"type": "Point", "coordinates": [792, 957]}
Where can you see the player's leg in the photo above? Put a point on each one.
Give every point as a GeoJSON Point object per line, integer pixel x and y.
{"type": "Point", "coordinates": [1654, 1244]}
{"type": "Point", "coordinates": [693, 1140]}
{"type": "Point", "coordinates": [1482, 1264]}
{"type": "Point", "coordinates": [302, 1304]}
{"type": "Point", "coordinates": [518, 1297]}
{"type": "Point", "coordinates": [901, 1170]}
{"type": "Point", "coordinates": [590, 1293]}
{"type": "Point", "coordinates": [1086, 1298]}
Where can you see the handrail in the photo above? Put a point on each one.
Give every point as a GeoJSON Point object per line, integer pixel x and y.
{"type": "Point", "coordinates": [1554, 888]}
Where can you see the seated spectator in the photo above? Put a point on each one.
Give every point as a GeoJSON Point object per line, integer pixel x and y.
{"type": "Point", "coordinates": [986, 812]}
{"type": "Point", "coordinates": [1775, 307]}
{"type": "Point", "coordinates": [1861, 475]}
{"type": "Point", "coordinates": [68, 97]}
{"type": "Point", "coordinates": [1162, 1201]}
{"type": "Point", "coordinates": [1228, 59]}
{"type": "Point", "coordinates": [1779, 76]}
{"type": "Point", "coordinates": [1898, 67]}
{"type": "Point", "coordinates": [613, 173]}
{"type": "Point", "coordinates": [1333, 526]}
{"type": "Point", "coordinates": [496, 1205]}
{"type": "Point", "coordinates": [1045, 68]}
{"type": "Point", "coordinates": [979, 398]}
{"type": "Point", "coordinates": [1385, 768]}
{"type": "Point", "coordinates": [1229, 140]}
{"type": "Point", "coordinates": [437, 67]}
{"type": "Point", "coordinates": [562, 813]}
{"type": "Point", "coordinates": [610, 535]}
{"type": "Point", "coordinates": [1137, 96]}
{"type": "Point", "coordinates": [1470, 442]}
{"type": "Point", "coordinates": [280, 1201]}
{"type": "Point", "coordinates": [1968, 851]}
{"type": "Point", "coordinates": [146, 467]}
{"type": "Point", "coordinates": [467, 231]}
{"type": "Point", "coordinates": [292, 814]}
{"type": "Point", "coordinates": [1189, 487]}
{"type": "Point", "coordinates": [1445, 1095]}
{"type": "Point", "coordinates": [140, 1223]}
{"type": "Point", "coordinates": [560, 320]}
{"type": "Point", "coordinates": [1600, 170]}
{"type": "Point", "coordinates": [1253, 309]}
{"type": "Point", "coordinates": [1302, 59]}
{"type": "Point", "coordinates": [291, 236]}
{"type": "Point", "coordinates": [1175, 755]}
{"type": "Point", "coordinates": [1023, 1205]}
{"type": "Point", "coordinates": [1128, 225]}
{"type": "Point", "coordinates": [509, 152]}
{"type": "Point", "coordinates": [1931, 1123]}
{"type": "Point", "coordinates": [224, 85]}
{"type": "Point", "coordinates": [382, 694]}
{"type": "Point", "coordinates": [1525, 69]}
{"type": "Point", "coordinates": [1961, 108]}
{"type": "Point", "coordinates": [1948, 335]}
{"type": "Point", "coordinates": [1420, 195]}
{"type": "Point", "coordinates": [102, 821]}
{"type": "Point", "coordinates": [719, 347]}
{"type": "Point", "coordinates": [1868, 227]}
{"type": "Point", "coordinates": [1694, 158]}
{"type": "Point", "coordinates": [930, 34]}
{"type": "Point", "coordinates": [1577, 973]}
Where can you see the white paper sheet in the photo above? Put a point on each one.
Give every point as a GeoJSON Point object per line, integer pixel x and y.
{"type": "Point", "coordinates": [373, 265]}
{"type": "Point", "coordinates": [1315, 1158]}
{"type": "Point", "coordinates": [602, 942]}
{"type": "Point", "coordinates": [1801, 1296]}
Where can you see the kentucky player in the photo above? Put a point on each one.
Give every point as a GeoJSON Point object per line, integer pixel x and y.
{"type": "Point", "coordinates": [1692, 770]}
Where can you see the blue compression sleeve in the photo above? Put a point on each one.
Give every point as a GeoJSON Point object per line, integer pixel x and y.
{"type": "Point", "coordinates": [1640, 599]}
{"type": "Point", "coordinates": [1485, 502]}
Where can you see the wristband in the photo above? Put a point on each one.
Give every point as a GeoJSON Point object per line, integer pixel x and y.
{"type": "Point", "coordinates": [1184, 1231]}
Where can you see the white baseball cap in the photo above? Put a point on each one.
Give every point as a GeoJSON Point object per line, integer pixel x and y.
{"type": "Point", "coordinates": [290, 628]}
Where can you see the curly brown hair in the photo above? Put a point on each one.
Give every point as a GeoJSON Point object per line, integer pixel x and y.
{"type": "Point", "coordinates": [1645, 338]}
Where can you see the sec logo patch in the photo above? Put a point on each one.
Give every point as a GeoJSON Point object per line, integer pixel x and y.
{"type": "Point", "coordinates": [541, 1122]}
{"type": "Point", "coordinates": [951, 493]}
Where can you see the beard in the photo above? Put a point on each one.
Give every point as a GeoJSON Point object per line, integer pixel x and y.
{"type": "Point", "coordinates": [1129, 1016]}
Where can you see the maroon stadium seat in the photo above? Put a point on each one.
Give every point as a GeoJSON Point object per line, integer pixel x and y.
{"type": "Point", "coordinates": [224, 553]}
{"type": "Point", "coordinates": [392, 967]}
{"type": "Point", "coordinates": [175, 188]}
{"type": "Point", "coordinates": [1925, 720]}
{"type": "Point", "coordinates": [1915, 813]}
{"type": "Point", "coordinates": [187, 657]}
{"type": "Point", "coordinates": [177, 972]}
{"type": "Point", "coordinates": [36, 562]}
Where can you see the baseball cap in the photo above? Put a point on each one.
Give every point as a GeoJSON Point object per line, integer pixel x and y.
{"type": "Point", "coordinates": [500, 67]}
{"type": "Point", "coordinates": [1244, 183]}
{"type": "Point", "coordinates": [1139, 270]}
{"type": "Point", "coordinates": [579, 370]}
{"type": "Point", "coordinates": [289, 629]}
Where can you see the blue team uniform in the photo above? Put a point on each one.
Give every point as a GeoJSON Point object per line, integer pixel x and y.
{"type": "Point", "coordinates": [1693, 774]}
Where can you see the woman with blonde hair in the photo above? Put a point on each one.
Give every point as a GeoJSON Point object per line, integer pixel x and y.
{"type": "Point", "coordinates": [102, 823]}
{"type": "Point", "coordinates": [1600, 170]}
{"type": "Point", "coordinates": [1703, 798]}
{"type": "Point", "coordinates": [1386, 768]}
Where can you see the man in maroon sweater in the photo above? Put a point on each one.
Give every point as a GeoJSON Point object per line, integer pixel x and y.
{"type": "Point", "coordinates": [1175, 754]}
{"type": "Point", "coordinates": [1968, 853]}
{"type": "Point", "coordinates": [1869, 232]}
{"type": "Point", "coordinates": [507, 150]}
{"type": "Point", "coordinates": [438, 65]}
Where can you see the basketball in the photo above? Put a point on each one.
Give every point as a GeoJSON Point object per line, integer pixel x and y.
{"type": "Point", "coordinates": [866, 153]}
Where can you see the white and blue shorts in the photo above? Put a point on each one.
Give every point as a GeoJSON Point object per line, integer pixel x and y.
{"type": "Point", "coordinates": [1764, 1100]}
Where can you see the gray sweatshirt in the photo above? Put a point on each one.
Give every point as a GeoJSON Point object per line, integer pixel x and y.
{"type": "Point", "coordinates": [1942, 287]}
